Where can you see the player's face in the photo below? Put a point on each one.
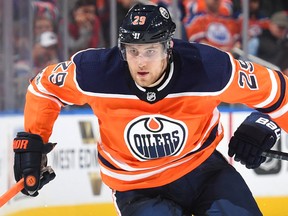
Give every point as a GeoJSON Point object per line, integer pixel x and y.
{"type": "Point", "coordinates": [146, 62]}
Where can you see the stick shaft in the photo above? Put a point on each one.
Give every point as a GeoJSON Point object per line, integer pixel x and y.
{"type": "Point", "coordinates": [276, 154]}
{"type": "Point", "coordinates": [16, 188]}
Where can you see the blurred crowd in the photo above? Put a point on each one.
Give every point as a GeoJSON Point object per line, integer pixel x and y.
{"type": "Point", "coordinates": [86, 24]}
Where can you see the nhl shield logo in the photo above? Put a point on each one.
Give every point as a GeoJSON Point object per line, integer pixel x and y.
{"type": "Point", "coordinates": [155, 136]}
{"type": "Point", "coordinates": [151, 96]}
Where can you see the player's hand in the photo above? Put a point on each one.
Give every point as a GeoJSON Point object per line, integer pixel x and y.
{"type": "Point", "coordinates": [30, 162]}
{"type": "Point", "coordinates": [255, 135]}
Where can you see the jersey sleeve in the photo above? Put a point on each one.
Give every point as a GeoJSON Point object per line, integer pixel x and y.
{"type": "Point", "coordinates": [53, 88]}
{"type": "Point", "coordinates": [259, 88]}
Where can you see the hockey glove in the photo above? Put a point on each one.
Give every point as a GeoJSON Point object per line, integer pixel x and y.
{"type": "Point", "coordinates": [255, 135]}
{"type": "Point", "coordinates": [30, 162]}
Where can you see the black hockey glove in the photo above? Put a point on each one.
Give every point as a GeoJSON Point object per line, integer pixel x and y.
{"type": "Point", "coordinates": [30, 162]}
{"type": "Point", "coordinates": [256, 134]}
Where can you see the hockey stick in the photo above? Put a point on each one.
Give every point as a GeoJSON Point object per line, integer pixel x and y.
{"type": "Point", "coordinates": [276, 155]}
{"type": "Point", "coordinates": [15, 189]}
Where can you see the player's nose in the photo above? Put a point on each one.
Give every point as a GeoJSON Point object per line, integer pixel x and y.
{"type": "Point", "coordinates": [141, 61]}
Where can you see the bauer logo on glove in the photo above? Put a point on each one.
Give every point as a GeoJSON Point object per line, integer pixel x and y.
{"type": "Point", "coordinates": [270, 124]}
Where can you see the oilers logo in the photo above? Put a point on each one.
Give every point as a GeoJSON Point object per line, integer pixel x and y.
{"type": "Point", "coordinates": [155, 136]}
{"type": "Point", "coordinates": [218, 33]}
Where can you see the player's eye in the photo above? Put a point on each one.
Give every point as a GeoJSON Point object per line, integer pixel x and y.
{"type": "Point", "coordinates": [150, 53]}
{"type": "Point", "coordinates": [132, 52]}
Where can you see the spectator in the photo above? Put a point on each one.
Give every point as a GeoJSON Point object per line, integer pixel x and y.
{"type": "Point", "coordinates": [85, 28]}
{"type": "Point", "coordinates": [273, 42]}
{"type": "Point", "coordinates": [258, 21]}
{"type": "Point", "coordinates": [46, 46]}
{"type": "Point", "coordinates": [46, 16]}
{"type": "Point", "coordinates": [196, 7]}
{"type": "Point", "coordinates": [42, 24]}
{"type": "Point", "coordinates": [213, 28]}
{"type": "Point", "coordinates": [45, 51]}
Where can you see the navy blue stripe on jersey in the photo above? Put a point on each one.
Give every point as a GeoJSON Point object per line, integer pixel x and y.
{"type": "Point", "coordinates": [276, 105]}
{"type": "Point", "coordinates": [106, 163]}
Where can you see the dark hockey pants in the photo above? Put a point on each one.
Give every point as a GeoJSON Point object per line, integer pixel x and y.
{"type": "Point", "coordinates": [214, 188]}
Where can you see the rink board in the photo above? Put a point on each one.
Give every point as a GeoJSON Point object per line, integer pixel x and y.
{"type": "Point", "coordinates": [78, 189]}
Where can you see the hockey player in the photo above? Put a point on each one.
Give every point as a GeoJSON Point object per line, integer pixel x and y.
{"type": "Point", "coordinates": [156, 101]}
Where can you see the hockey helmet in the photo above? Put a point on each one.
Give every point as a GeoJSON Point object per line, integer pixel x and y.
{"type": "Point", "coordinates": [146, 24]}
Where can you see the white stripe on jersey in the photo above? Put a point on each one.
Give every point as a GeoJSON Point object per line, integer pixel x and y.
{"type": "Point", "coordinates": [32, 90]}
{"type": "Point", "coordinates": [273, 91]}
{"type": "Point", "coordinates": [280, 112]}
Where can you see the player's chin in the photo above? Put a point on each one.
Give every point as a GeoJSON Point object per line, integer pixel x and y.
{"type": "Point", "coordinates": [142, 82]}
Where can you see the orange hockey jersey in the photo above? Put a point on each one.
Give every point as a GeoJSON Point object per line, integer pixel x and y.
{"type": "Point", "coordinates": [153, 136]}
{"type": "Point", "coordinates": [222, 32]}
{"type": "Point", "coordinates": [196, 7]}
